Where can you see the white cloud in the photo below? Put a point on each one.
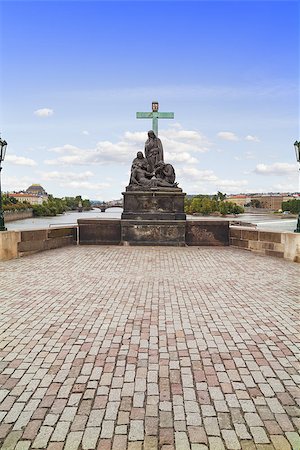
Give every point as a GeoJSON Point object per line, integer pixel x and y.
{"type": "Point", "coordinates": [44, 112]}
{"type": "Point", "coordinates": [232, 184]}
{"type": "Point", "coordinates": [280, 169]}
{"type": "Point", "coordinates": [227, 136]}
{"type": "Point", "coordinates": [247, 155]}
{"type": "Point", "coordinates": [85, 185]}
{"type": "Point", "coordinates": [66, 176]}
{"type": "Point", "coordinates": [286, 187]}
{"type": "Point", "coordinates": [20, 160]}
{"type": "Point", "coordinates": [178, 145]}
{"type": "Point", "coordinates": [85, 132]}
{"type": "Point", "coordinates": [74, 180]}
{"type": "Point", "coordinates": [196, 174]}
{"type": "Point", "coordinates": [180, 157]}
{"type": "Point", "coordinates": [207, 182]}
{"type": "Point", "coordinates": [15, 183]}
{"type": "Point", "coordinates": [252, 138]}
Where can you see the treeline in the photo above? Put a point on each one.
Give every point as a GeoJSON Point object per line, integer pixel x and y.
{"type": "Point", "coordinates": [291, 205]}
{"type": "Point", "coordinates": [52, 207]}
{"type": "Point", "coordinates": [12, 204]}
{"type": "Point", "coordinates": [203, 204]}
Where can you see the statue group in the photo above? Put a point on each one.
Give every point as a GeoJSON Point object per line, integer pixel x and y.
{"type": "Point", "coordinates": [150, 171]}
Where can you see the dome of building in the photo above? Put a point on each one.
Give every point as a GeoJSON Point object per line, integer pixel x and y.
{"type": "Point", "coordinates": [36, 189]}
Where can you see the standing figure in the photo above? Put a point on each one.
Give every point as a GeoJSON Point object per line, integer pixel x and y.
{"type": "Point", "coordinates": [153, 150]}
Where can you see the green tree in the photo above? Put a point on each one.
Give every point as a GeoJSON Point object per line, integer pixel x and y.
{"type": "Point", "coordinates": [291, 205]}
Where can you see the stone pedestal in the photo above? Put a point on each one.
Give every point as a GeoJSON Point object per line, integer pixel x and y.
{"type": "Point", "coordinates": [153, 217]}
{"type": "Point", "coordinates": [154, 205]}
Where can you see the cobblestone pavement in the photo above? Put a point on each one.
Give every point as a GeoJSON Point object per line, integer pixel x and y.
{"type": "Point", "coordinates": [149, 348]}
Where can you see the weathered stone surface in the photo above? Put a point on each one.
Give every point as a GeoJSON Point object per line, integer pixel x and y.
{"type": "Point", "coordinates": [62, 232]}
{"type": "Point", "coordinates": [269, 236]}
{"type": "Point", "coordinates": [34, 241]}
{"type": "Point", "coordinates": [235, 232]}
{"type": "Point", "coordinates": [207, 232]}
{"type": "Point", "coordinates": [249, 234]}
{"type": "Point", "coordinates": [154, 205]}
{"type": "Point", "coordinates": [278, 244]}
{"type": "Point", "coordinates": [34, 235]}
{"type": "Point", "coordinates": [160, 232]}
{"type": "Point", "coordinates": [97, 231]}
{"type": "Point", "coordinates": [9, 244]}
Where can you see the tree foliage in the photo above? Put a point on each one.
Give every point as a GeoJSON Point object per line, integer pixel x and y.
{"type": "Point", "coordinates": [203, 204]}
{"type": "Point", "coordinates": [291, 205]}
{"type": "Point", "coordinates": [52, 207]}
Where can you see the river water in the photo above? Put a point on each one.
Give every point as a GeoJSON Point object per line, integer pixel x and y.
{"type": "Point", "coordinates": [262, 221]}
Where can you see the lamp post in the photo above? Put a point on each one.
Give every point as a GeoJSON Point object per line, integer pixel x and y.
{"type": "Point", "coordinates": [3, 145]}
{"type": "Point", "coordinates": [297, 150]}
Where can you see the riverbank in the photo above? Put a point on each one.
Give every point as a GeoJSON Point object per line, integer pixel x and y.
{"type": "Point", "coordinates": [11, 216]}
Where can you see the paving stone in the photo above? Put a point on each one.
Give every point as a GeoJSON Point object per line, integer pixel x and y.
{"type": "Point", "coordinates": [162, 358]}
{"type": "Point", "coordinates": [294, 439]}
{"type": "Point", "coordinates": [280, 442]}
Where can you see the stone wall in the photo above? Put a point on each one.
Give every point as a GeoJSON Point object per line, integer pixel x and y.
{"type": "Point", "coordinates": [272, 243]}
{"type": "Point", "coordinates": [9, 244]}
{"type": "Point", "coordinates": [9, 216]}
{"type": "Point", "coordinates": [207, 232]}
{"type": "Point", "coordinates": [14, 244]}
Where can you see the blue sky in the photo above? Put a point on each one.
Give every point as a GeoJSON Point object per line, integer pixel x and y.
{"type": "Point", "coordinates": [75, 73]}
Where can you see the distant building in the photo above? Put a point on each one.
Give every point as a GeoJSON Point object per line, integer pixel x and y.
{"type": "Point", "coordinates": [240, 199]}
{"type": "Point", "coordinates": [35, 195]}
{"type": "Point", "coordinates": [36, 189]}
{"type": "Point", "coordinates": [272, 202]}
{"type": "Point", "coordinates": [30, 198]}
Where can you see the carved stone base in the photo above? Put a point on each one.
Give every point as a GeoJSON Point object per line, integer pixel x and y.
{"type": "Point", "coordinates": [154, 205]}
{"type": "Point", "coordinates": [153, 232]}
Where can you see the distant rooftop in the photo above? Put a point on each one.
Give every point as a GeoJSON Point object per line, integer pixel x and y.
{"type": "Point", "coordinates": [36, 189]}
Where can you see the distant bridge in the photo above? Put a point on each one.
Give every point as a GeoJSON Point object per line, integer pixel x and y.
{"type": "Point", "coordinates": [105, 205]}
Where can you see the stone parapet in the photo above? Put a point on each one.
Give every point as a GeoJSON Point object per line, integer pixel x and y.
{"type": "Point", "coordinates": [207, 232]}
{"type": "Point", "coordinates": [99, 231]}
{"type": "Point", "coordinates": [272, 243]}
{"type": "Point", "coordinates": [9, 244]}
{"type": "Point", "coordinates": [14, 244]}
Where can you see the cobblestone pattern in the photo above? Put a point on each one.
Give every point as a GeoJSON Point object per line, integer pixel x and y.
{"type": "Point", "coordinates": [149, 348]}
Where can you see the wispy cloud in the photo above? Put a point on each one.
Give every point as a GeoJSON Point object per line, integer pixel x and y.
{"type": "Point", "coordinates": [280, 169]}
{"type": "Point", "coordinates": [74, 180]}
{"type": "Point", "coordinates": [179, 146]}
{"type": "Point", "coordinates": [20, 160]}
{"type": "Point", "coordinates": [44, 112]}
{"type": "Point", "coordinates": [16, 183]}
{"type": "Point", "coordinates": [227, 136]}
{"type": "Point", "coordinates": [251, 138]}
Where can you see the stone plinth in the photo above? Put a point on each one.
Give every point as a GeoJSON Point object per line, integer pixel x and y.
{"type": "Point", "coordinates": [154, 205]}
{"type": "Point", "coordinates": [153, 232]}
{"type": "Point", "coordinates": [99, 231]}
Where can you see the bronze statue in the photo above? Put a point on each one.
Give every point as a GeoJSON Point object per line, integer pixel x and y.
{"type": "Point", "coordinates": [153, 150]}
